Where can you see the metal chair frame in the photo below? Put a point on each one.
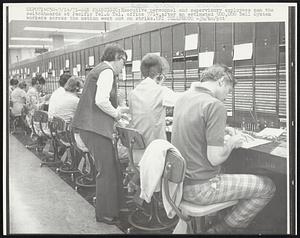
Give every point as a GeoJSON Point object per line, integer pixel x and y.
{"type": "Point", "coordinates": [175, 172]}
{"type": "Point", "coordinates": [87, 180]}
{"type": "Point", "coordinates": [63, 129]}
{"type": "Point", "coordinates": [39, 117]}
{"type": "Point", "coordinates": [132, 139]}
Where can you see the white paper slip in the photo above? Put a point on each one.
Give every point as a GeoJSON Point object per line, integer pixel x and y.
{"type": "Point", "coordinates": [191, 42]}
{"type": "Point", "coordinates": [270, 132]}
{"type": "Point", "coordinates": [280, 151]}
{"type": "Point", "coordinates": [206, 59]}
{"type": "Point", "coordinates": [242, 51]}
{"type": "Point", "coordinates": [254, 143]}
{"type": "Point", "coordinates": [136, 64]}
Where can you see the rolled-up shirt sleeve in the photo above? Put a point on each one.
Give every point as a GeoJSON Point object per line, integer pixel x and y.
{"type": "Point", "coordinates": [215, 123]}
{"type": "Point", "coordinates": [104, 87]}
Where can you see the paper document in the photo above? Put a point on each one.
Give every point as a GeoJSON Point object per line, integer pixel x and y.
{"type": "Point", "coordinates": [78, 66]}
{"type": "Point", "coordinates": [136, 66]}
{"type": "Point", "coordinates": [280, 151]}
{"type": "Point", "coordinates": [242, 51]}
{"type": "Point", "coordinates": [206, 59]}
{"type": "Point", "coordinates": [275, 132]}
{"type": "Point", "coordinates": [91, 60]}
{"type": "Point", "coordinates": [254, 143]}
{"type": "Point", "coordinates": [129, 54]}
{"type": "Point", "coordinates": [191, 42]}
{"type": "Point", "coordinates": [124, 74]}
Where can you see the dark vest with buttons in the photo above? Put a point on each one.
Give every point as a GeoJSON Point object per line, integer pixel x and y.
{"type": "Point", "coordinates": [88, 115]}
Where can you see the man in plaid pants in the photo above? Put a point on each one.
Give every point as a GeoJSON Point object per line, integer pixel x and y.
{"type": "Point", "coordinates": [198, 133]}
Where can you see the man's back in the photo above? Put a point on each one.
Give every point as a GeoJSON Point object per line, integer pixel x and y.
{"type": "Point", "coordinates": [56, 96]}
{"type": "Point", "coordinates": [148, 113]}
{"type": "Point", "coordinates": [199, 121]}
{"type": "Point", "coordinates": [66, 107]}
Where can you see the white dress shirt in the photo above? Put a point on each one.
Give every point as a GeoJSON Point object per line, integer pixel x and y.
{"type": "Point", "coordinates": [104, 87]}
{"type": "Point", "coordinates": [54, 99]}
{"type": "Point", "coordinates": [65, 107]}
{"type": "Point", "coordinates": [147, 104]}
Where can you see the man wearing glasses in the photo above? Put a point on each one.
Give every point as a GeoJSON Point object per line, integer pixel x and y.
{"type": "Point", "coordinates": [94, 119]}
{"type": "Point", "coordinates": [149, 99]}
{"type": "Point", "coordinates": [198, 133]}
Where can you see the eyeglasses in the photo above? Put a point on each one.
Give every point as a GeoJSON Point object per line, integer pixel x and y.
{"type": "Point", "coordinates": [161, 77]}
{"type": "Point", "coordinates": [230, 78]}
{"type": "Point", "coordinates": [124, 59]}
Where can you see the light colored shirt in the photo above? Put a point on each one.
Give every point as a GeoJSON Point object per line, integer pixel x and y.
{"type": "Point", "coordinates": [65, 107]}
{"type": "Point", "coordinates": [33, 98]}
{"type": "Point", "coordinates": [54, 99]}
{"type": "Point", "coordinates": [18, 98]}
{"type": "Point", "coordinates": [147, 108]}
{"type": "Point", "coordinates": [104, 87]}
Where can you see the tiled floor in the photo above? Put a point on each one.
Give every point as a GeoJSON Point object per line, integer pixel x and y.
{"type": "Point", "coordinates": [42, 203]}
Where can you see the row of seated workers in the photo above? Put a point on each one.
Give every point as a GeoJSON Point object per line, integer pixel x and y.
{"type": "Point", "coordinates": [198, 131]}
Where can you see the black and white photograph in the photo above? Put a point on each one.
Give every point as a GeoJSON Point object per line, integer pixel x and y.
{"type": "Point", "coordinates": [149, 118]}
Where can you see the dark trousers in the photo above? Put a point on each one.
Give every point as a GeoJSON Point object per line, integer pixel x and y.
{"type": "Point", "coordinates": [109, 193]}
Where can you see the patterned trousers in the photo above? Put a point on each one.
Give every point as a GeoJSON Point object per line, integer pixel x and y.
{"type": "Point", "coordinates": [253, 192]}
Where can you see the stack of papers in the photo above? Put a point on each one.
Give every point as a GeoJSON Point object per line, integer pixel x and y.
{"type": "Point", "coordinates": [254, 143]}
{"type": "Point", "coordinates": [270, 132]}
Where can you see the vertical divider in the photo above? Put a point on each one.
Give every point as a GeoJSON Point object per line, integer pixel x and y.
{"type": "Point", "coordinates": [233, 72]}
{"type": "Point", "coordinates": [277, 73]}
{"type": "Point", "coordinates": [254, 71]}
{"type": "Point", "coordinates": [172, 33]}
{"type": "Point", "coordinates": [184, 57]}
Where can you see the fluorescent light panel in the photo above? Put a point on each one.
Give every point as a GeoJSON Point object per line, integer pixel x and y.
{"type": "Point", "coordinates": [28, 28]}
{"type": "Point", "coordinates": [29, 46]}
{"type": "Point", "coordinates": [40, 39]}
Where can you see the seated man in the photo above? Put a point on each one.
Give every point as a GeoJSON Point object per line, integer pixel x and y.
{"type": "Point", "coordinates": [56, 95]}
{"type": "Point", "coordinates": [148, 101]}
{"type": "Point", "coordinates": [198, 133]}
{"type": "Point", "coordinates": [65, 103]}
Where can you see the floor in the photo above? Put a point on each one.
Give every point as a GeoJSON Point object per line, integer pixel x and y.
{"type": "Point", "coordinates": [42, 203]}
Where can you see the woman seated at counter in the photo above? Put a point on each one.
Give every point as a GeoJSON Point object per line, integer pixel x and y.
{"type": "Point", "coordinates": [33, 99]}
{"type": "Point", "coordinates": [18, 98]}
{"type": "Point", "coordinates": [148, 101]}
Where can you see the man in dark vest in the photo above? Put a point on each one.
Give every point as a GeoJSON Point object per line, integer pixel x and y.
{"type": "Point", "coordinates": [94, 120]}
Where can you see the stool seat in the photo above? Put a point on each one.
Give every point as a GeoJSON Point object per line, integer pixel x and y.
{"type": "Point", "coordinates": [195, 210]}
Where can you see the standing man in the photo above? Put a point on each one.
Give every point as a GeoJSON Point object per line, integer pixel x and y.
{"type": "Point", "coordinates": [198, 133]}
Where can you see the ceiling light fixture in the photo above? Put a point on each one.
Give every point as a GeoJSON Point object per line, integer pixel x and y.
{"type": "Point", "coordinates": [29, 46]}
{"type": "Point", "coordinates": [28, 28]}
{"type": "Point", "coordinates": [41, 39]}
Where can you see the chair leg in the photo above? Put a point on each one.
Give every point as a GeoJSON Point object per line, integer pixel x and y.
{"type": "Point", "coordinates": [199, 225]}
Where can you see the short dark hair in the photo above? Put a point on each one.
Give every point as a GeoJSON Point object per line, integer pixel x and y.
{"type": "Point", "coordinates": [36, 79]}
{"type": "Point", "coordinates": [64, 78]}
{"type": "Point", "coordinates": [111, 51]}
{"type": "Point", "coordinates": [13, 81]}
{"type": "Point", "coordinates": [22, 85]}
{"type": "Point", "coordinates": [217, 71]}
{"type": "Point", "coordinates": [151, 65]}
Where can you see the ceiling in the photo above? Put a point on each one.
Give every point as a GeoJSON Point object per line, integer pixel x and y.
{"type": "Point", "coordinates": [16, 28]}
